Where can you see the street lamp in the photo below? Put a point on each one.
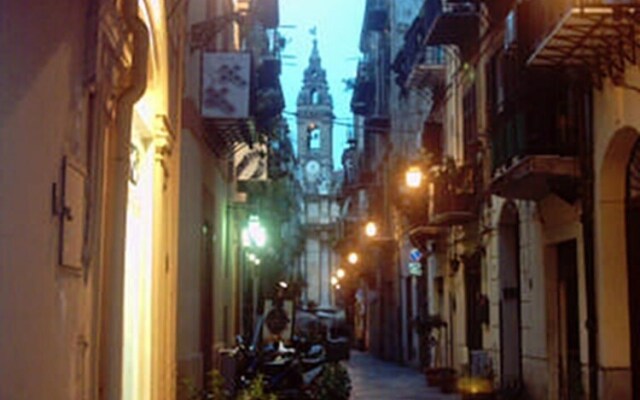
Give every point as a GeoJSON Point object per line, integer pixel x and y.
{"type": "Point", "coordinates": [371, 229]}
{"type": "Point", "coordinates": [413, 177]}
{"type": "Point", "coordinates": [254, 235]}
{"type": "Point", "coordinates": [353, 258]}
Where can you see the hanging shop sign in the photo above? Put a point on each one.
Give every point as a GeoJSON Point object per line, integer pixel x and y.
{"type": "Point", "coordinates": [225, 85]}
{"type": "Point", "coordinates": [250, 162]}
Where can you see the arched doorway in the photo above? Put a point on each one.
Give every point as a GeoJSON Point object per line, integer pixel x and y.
{"type": "Point", "coordinates": [632, 223]}
{"type": "Point", "coordinates": [614, 235]}
{"type": "Point", "coordinates": [510, 334]}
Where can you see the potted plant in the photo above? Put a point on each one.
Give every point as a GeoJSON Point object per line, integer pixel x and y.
{"type": "Point", "coordinates": [454, 197]}
{"type": "Point", "coordinates": [425, 327]}
{"type": "Point", "coordinates": [448, 380]}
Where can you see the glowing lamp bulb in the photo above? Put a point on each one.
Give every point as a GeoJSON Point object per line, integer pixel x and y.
{"type": "Point", "coordinates": [371, 229]}
{"type": "Point", "coordinates": [413, 177]}
{"type": "Point", "coordinates": [353, 258]}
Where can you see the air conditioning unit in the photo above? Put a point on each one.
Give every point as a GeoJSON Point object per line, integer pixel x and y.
{"type": "Point", "coordinates": [510, 31]}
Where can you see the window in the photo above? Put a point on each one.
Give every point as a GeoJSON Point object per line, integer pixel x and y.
{"type": "Point", "coordinates": [315, 97]}
{"type": "Point", "coordinates": [470, 123]}
{"type": "Point", "coordinates": [313, 140]}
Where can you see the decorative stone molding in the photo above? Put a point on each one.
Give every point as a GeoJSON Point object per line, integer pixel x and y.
{"type": "Point", "coordinates": [114, 36]}
{"type": "Point", "coordinates": [164, 140]}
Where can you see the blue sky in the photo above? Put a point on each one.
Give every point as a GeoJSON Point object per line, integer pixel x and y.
{"type": "Point", "coordinates": [338, 24]}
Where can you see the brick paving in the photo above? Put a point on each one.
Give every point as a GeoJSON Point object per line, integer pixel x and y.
{"type": "Point", "coordinates": [373, 379]}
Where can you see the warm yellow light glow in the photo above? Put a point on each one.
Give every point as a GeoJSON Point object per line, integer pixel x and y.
{"type": "Point", "coordinates": [334, 280]}
{"type": "Point", "coordinates": [144, 204]}
{"type": "Point", "coordinates": [475, 385]}
{"type": "Point", "coordinates": [138, 276]}
{"type": "Point", "coordinates": [371, 229]}
{"type": "Point", "coordinates": [338, 287]}
{"type": "Point", "coordinates": [413, 177]}
{"type": "Point", "coordinates": [340, 273]}
{"type": "Point", "coordinates": [353, 258]}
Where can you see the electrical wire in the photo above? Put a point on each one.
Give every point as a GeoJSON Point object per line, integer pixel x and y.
{"type": "Point", "coordinates": [456, 77]}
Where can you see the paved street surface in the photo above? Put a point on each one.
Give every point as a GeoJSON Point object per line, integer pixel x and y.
{"type": "Point", "coordinates": [373, 379]}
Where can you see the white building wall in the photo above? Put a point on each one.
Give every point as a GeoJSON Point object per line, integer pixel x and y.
{"type": "Point", "coordinates": [542, 226]}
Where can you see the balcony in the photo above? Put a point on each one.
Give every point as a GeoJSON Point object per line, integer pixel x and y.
{"type": "Point", "coordinates": [450, 22]}
{"type": "Point", "coordinates": [420, 235]}
{"type": "Point", "coordinates": [452, 196]}
{"type": "Point", "coordinates": [599, 35]}
{"type": "Point", "coordinates": [417, 65]}
{"type": "Point", "coordinates": [364, 90]}
{"type": "Point", "coordinates": [535, 147]}
{"type": "Point", "coordinates": [375, 15]}
{"type": "Point", "coordinates": [429, 69]}
{"type": "Point", "coordinates": [534, 176]}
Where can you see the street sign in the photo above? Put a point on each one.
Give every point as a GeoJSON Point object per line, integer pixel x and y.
{"type": "Point", "coordinates": [415, 254]}
{"type": "Point", "coordinates": [415, 268]}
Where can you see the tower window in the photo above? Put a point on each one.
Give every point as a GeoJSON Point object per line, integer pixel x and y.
{"type": "Point", "coordinates": [313, 139]}
{"type": "Point", "coordinates": [315, 97]}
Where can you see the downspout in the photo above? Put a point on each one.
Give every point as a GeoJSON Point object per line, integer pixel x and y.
{"type": "Point", "coordinates": [111, 340]}
{"type": "Point", "coordinates": [588, 239]}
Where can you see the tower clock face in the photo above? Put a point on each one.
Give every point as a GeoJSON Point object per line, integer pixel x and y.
{"type": "Point", "coordinates": [312, 169]}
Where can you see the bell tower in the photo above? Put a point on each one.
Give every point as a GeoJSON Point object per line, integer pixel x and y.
{"type": "Point", "coordinates": [315, 152]}
{"type": "Point", "coordinates": [315, 126]}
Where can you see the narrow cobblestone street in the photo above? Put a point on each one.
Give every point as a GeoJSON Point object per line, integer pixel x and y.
{"type": "Point", "coordinates": [373, 379]}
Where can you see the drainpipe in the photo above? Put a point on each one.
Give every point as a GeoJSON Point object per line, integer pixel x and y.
{"type": "Point", "coordinates": [111, 340]}
{"type": "Point", "coordinates": [588, 238]}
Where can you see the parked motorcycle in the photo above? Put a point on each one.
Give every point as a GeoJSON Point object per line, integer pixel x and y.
{"type": "Point", "coordinates": [288, 372]}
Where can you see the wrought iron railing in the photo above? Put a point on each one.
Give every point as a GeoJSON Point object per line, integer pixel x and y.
{"type": "Point", "coordinates": [454, 196]}
{"type": "Point", "coordinates": [539, 18]}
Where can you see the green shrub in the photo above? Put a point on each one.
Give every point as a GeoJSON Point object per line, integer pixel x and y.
{"type": "Point", "coordinates": [333, 384]}
{"type": "Point", "coordinates": [255, 391]}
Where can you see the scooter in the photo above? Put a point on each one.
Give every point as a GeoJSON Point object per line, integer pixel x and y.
{"type": "Point", "coordinates": [288, 372]}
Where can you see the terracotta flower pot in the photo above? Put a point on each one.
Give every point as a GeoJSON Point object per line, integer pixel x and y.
{"type": "Point", "coordinates": [433, 376]}
{"type": "Point", "coordinates": [448, 380]}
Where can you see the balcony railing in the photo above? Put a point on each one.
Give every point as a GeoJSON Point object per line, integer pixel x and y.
{"type": "Point", "coordinates": [453, 197]}
{"type": "Point", "coordinates": [429, 68]}
{"type": "Point", "coordinates": [535, 144]}
{"type": "Point", "coordinates": [375, 15]}
{"type": "Point", "coordinates": [545, 117]}
{"type": "Point", "coordinates": [450, 22]}
{"type": "Point", "coordinates": [600, 35]}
